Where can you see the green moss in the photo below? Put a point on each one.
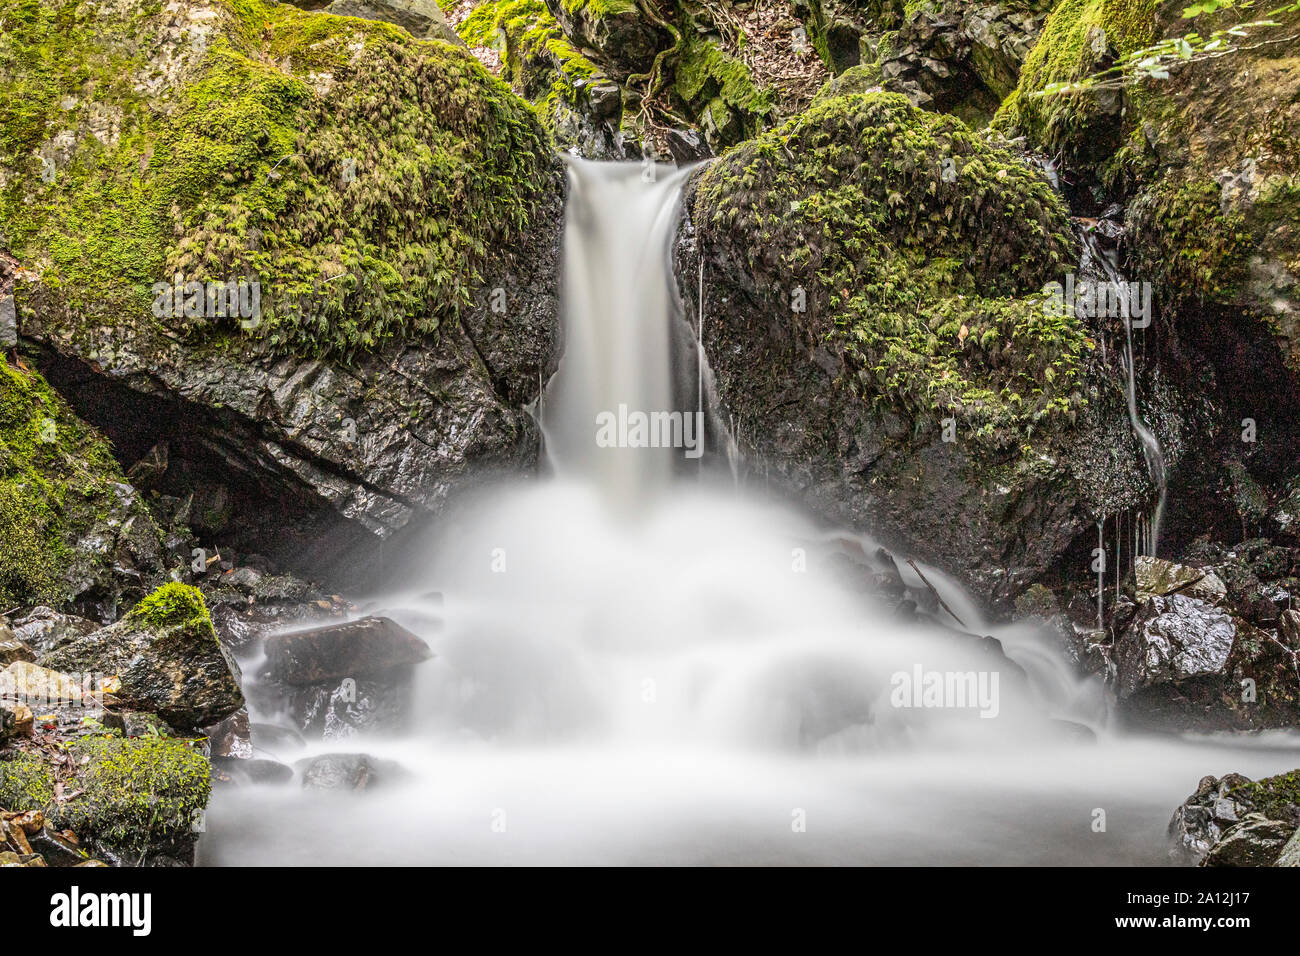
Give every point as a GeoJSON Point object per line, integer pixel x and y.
{"type": "Point", "coordinates": [921, 253]}
{"type": "Point", "coordinates": [598, 9]}
{"type": "Point", "coordinates": [136, 791]}
{"type": "Point", "coordinates": [1080, 38]}
{"type": "Point", "coordinates": [358, 175]}
{"type": "Point", "coordinates": [26, 783]}
{"type": "Point", "coordinates": [1277, 797]}
{"type": "Point", "coordinates": [1191, 248]}
{"type": "Point", "coordinates": [538, 59]}
{"type": "Point", "coordinates": [54, 473]}
{"type": "Point", "coordinates": [705, 74]}
{"type": "Point", "coordinates": [172, 605]}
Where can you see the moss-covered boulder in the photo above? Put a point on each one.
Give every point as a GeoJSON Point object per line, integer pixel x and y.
{"type": "Point", "coordinates": [166, 658]}
{"type": "Point", "coordinates": [874, 317]}
{"type": "Point", "coordinates": [365, 229]}
{"type": "Point", "coordinates": [134, 800]}
{"type": "Point", "coordinates": [72, 530]}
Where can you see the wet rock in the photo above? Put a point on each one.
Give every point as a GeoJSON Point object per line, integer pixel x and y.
{"type": "Point", "coordinates": [619, 34]}
{"type": "Point", "coordinates": [274, 740]}
{"type": "Point", "coordinates": [338, 712]}
{"type": "Point", "coordinates": [369, 647]}
{"type": "Point", "coordinates": [166, 658]}
{"type": "Point", "coordinates": [57, 849]}
{"type": "Point", "coordinates": [1174, 639]}
{"type": "Point", "coordinates": [1219, 805]}
{"type": "Point", "coordinates": [232, 737]}
{"type": "Point", "coordinates": [1257, 842]}
{"type": "Point", "coordinates": [348, 772]}
{"type": "Point", "coordinates": [45, 628]}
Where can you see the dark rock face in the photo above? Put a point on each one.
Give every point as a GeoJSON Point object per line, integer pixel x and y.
{"type": "Point", "coordinates": [1236, 821]}
{"type": "Point", "coordinates": [959, 57]}
{"type": "Point", "coordinates": [368, 647]}
{"type": "Point", "coordinates": [167, 658]}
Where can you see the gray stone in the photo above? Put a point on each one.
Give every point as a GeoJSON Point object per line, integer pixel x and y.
{"type": "Point", "coordinates": [1174, 638]}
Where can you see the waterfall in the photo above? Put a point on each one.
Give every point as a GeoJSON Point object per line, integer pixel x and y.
{"type": "Point", "coordinates": [694, 675]}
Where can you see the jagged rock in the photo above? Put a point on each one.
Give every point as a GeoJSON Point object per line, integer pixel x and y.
{"type": "Point", "coordinates": [1257, 842]}
{"type": "Point", "coordinates": [1219, 805]}
{"type": "Point", "coordinates": [369, 647]}
{"type": "Point", "coordinates": [348, 772]}
{"type": "Point", "coordinates": [166, 658]}
{"type": "Point", "coordinates": [1174, 639]}
{"type": "Point", "coordinates": [45, 629]}
{"type": "Point", "coordinates": [350, 707]}
{"type": "Point", "coordinates": [618, 32]}
{"type": "Point", "coordinates": [232, 737]}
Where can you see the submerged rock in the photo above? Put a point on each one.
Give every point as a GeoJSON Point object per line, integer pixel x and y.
{"type": "Point", "coordinates": [348, 772]}
{"type": "Point", "coordinates": [166, 658]}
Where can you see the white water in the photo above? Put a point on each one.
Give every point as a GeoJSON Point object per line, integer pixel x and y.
{"type": "Point", "coordinates": [637, 668]}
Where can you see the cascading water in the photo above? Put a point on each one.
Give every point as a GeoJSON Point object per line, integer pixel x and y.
{"type": "Point", "coordinates": [1096, 260]}
{"type": "Point", "coordinates": [634, 667]}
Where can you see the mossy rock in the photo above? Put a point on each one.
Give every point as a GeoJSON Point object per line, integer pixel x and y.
{"type": "Point", "coordinates": [359, 176]}
{"type": "Point", "coordinates": [140, 797]}
{"type": "Point", "coordinates": [578, 104]}
{"type": "Point", "coordinates": [1080, 38]}
{"type": "Point", "coordinates": [618, 31]}
{"type": "Point", "coordinates": [26, 783]}
{"type": "Point", "coordinates": [166, 656]}
{"type": "Point", "coordinates": [873, 283]}
{"type": "Point", "coordinates": [70, 525]}
{"type": "Point", "coordinates": [903, 229]}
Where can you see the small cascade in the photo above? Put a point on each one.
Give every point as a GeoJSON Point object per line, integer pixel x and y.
{"type": "Point", "coordinates": [1099, 266]}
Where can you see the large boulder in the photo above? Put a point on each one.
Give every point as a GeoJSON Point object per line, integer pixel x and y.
{"type": "Point", "coordinates": [382, 214]}
{"type": "Point", "coordinates": [368, 647]}
{"type": "Point", "coordinates": [165, 657]}
{"type": "Point", "coordinates": [875, 322]}
{"type": "Point", "coordinates": [420, 18]}
{"type": "Point", "coordinates": [1175, 639]}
